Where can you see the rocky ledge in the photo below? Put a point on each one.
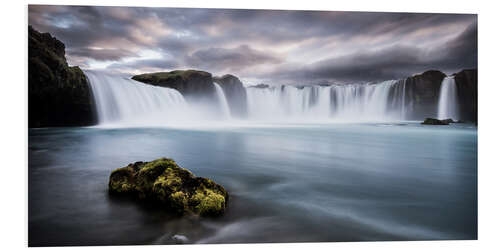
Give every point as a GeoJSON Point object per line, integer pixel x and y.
{"type": "Point", "coordinates": [187, 82]}
{"type": "Point", "coordinates": [176, 188]}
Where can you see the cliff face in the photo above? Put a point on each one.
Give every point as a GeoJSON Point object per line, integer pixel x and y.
{"type": "Point", "coordinates": [466, 81]}
{"type": "Point", "coordinates": [236, 94]}
{"type": "Point", "coordinates": [424, 90]}
{"type": "Point", "coordinates": [58, 95]}
{"type": "Point", "coordinates": [190, 83]}
{"type": "Point", "coordinates": [421, 94]}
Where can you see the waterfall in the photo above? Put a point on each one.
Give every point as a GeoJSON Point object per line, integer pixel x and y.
{"type": "Point", "coordinates": [353, 102]}
{"type": "Point", "coordinates": [448, 100]}
{"type": "Point", "coordinates": [289, 103]}
{"type": "Point", "coordinates": [363, 102]}
{"type": "Point", "coordinates": [123, 101]}
{"type": "Point", "coordinates": [403, 103]}
{"type": "Point", "coordinates": [221, 98]}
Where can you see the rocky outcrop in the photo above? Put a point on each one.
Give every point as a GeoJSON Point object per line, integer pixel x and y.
{"type": "Point", "coordinates": [235, 93]}
{"type": "Point", "coordinates": [423, 90]}
{"type": "Point", "coordinates": [260, 86]}
{"type": "Point", "coordinates": [58, 95]}
{"type": "Point", "coordinates": [176, 188]}
{"type": "Point", "coordinates": [466, 81]}
{"type": "Point", "coordinates": [190, 83]}
{"type": "Point", "coordinates": [433, 121]}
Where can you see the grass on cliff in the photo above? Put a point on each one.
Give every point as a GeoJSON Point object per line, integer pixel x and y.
{"type": "Point", "coordinates": [169, 76]}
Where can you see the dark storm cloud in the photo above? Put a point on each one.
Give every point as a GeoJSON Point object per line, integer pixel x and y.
{"type": "Point", "coordinates": [101, 54]}
{"type": "Point", "coordinates": [392, 63]}
{"type": "Point", "coordinates": [267, 45]}
{"type": "Point", "coordinates": [145, 65]}
{"type": "Point", "coordinates": [230, 59]}
{"type": "Point", "coordinates": [460, 52]}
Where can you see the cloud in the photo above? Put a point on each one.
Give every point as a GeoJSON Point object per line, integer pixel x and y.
{"type": "Point", "coordinates": [393, 62]}
{"type": "Point", "coordinates": [269, 45]}
{"type": "Point", "coordinates": [101, 54]}
{"type": "Point", "coordinates": [230, 60]}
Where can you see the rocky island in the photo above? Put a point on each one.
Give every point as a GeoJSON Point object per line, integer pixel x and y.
{"type": "Point", "coordinates": [164, 182]}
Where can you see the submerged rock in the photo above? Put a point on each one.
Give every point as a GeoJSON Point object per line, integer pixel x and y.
{"type": "Point", "coordinates": [433, 121]}
{"type": "Point", "coordinates": [163, 181]}
{"type": "Point", "coordinates": [180, 239]}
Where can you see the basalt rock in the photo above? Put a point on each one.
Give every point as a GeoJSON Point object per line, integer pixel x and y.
{"type": "Point", "coordinates": [423, 90]}
{"type": "Point", "coordinates": [164, 182]}
{"type": "Point", "coordinates": [235, 93]}
{"type": "Point", "coordinates": [190, 83]}
{"type": "Point", "coordinates": [466, 81]}
{"type": "Point", "coordinates": [58, 95]}
{"type": "Point", "coordinates": [433, 121]}
{"type": "Point", "coordinates": [260, 86]}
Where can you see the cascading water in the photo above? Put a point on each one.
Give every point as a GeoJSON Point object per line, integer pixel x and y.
{"type": "Point", "coordinates": [353, 102]}
{"type": "Point", "coordinates": [221, 98]}
{"type": "Point", "coordinates": [448, 100]}
{"type": "Point", "coordinates": [364, 102]}
{"type": "Point", "coordinates": [122, 101]}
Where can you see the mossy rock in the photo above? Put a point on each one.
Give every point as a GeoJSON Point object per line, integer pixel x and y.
{"type": "Point", "coordinates": [163, 181]}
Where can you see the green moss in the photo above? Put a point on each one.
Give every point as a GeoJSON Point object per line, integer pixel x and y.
{"type": "Point", "coordinates": [163, 180]}
{"type": "Point", "coordinates": [179, 201]}
{"type": "Point", "coordinates": [209, 202]}
{"type": "Point", "coordinates": [120, 180]}
{"type": "Point", "coordinates": [169, 76]}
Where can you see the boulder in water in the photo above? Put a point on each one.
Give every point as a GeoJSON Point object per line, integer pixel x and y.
{"type": "Point", "coordinates": [449, 120]}
{"type": "Point", "coordinates": [176, 188]}
{"type": "Point", "coordinates": [433, 121]}
{"type": "Point", "coordinates": [59, 95]}
{"type": "Point", "coordinates": [180, 239]}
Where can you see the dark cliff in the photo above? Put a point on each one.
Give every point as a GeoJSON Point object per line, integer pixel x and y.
{"type": "Point", "coordinates": [190, 83]}
{"type": "Point", "coordinates": [424, 90]}
{"type": "Point", "coordinates": [466, 81]}
{"type": "Point", "coordinates": [58, 95]}
{"type": "Point", "coordinates": [421, 94]}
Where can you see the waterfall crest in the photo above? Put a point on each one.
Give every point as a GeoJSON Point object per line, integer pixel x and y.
{"type": "Point", "coordinates": [448, 99]}
{"type": "Point", "coordinates": [125, 102]}
{"type": "Point", "coordinates": [353, 102]}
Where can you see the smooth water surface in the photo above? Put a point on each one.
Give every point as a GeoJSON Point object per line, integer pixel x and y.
{"type": "Point", "coordinates": [329, 182]}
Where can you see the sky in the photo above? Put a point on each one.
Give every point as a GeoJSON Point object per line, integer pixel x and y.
{"type": "Point", "coordinates": [262, 46]}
